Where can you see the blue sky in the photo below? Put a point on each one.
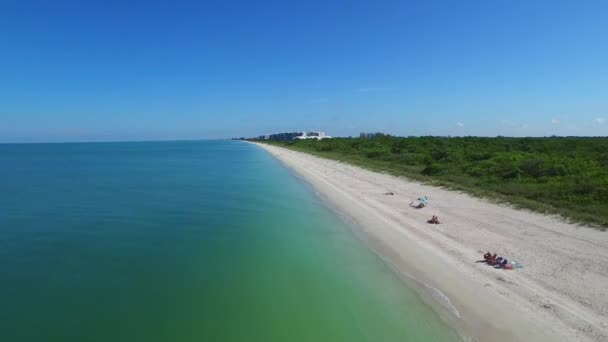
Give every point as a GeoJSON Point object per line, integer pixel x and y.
{"type": "Point", "coordinates": [142, 70]}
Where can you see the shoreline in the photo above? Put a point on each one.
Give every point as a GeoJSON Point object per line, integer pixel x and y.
{"type": "Point", "coordinates": [545, 301]}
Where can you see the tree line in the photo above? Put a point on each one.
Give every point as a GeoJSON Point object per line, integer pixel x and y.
{"type": "Point", "coordinates": [564, 175]}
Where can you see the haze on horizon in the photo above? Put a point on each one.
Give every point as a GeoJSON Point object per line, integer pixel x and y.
{"type": "Point", "coordinates": [108, 71]}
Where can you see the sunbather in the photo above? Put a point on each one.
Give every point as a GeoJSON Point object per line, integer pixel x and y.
{"type": "Point", "coordinates": [501, 262]}
{"type": "Point", "coordinates": [487, 257]}
{"type": "Point", "coordinates": [420, 205]}
{"type": "Point", "coordinates": [492, 260]}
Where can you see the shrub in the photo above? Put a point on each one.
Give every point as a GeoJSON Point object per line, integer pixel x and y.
{"type": "Point", "coordinates": [432, 169]}
{"type": "Point", "coordinates": [533, 167]}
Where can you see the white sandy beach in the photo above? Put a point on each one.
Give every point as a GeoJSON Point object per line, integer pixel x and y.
{"type": "Point", "coordinates": [561, 294]}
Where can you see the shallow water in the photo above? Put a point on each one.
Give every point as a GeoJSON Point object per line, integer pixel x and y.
{"type": "Point", "coordinates": [185, 241]}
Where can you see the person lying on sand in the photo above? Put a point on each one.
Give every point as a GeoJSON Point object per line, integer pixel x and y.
{"type": "Point", "coordinates": [501, 262]}
{"type": "Point", "coordinates": [389, 193]}
{"type": "Point", "coordinates": [419, 206]}
{"type": "Point", "coordinates": [489, 258]}
{"type": "Point", "coordinates": [424, 200]}
{"type": "Point", "coordinates": [434, 220]}
{"type": "Point", "coordinates": [497, 262]}
{"type": "Point", "coordinates": [486, 257]}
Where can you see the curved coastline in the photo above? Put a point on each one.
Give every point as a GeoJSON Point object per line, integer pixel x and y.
{"type": "Point", "coordinates": [490, 304]}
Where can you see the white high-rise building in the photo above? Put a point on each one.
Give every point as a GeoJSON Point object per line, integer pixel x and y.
{"type": "Point", "coordinates": [314, 135]}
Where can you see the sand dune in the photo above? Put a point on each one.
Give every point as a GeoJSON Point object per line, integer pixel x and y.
{"type": "Point", "coordinates": [561, 294]}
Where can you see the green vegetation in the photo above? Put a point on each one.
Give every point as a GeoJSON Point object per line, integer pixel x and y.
{"type": "Point", "coordinates": [566, 176]}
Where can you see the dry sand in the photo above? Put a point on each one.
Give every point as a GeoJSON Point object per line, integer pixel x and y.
{"type": "Point", "coordinates": [561, 294]}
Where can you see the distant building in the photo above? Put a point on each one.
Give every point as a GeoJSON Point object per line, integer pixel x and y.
{"type": "Point", "coordinates": [314, 135]}
{"type": "Point", "coordinates": [287, 136]}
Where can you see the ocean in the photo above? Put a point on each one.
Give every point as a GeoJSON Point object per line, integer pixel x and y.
{"type": "Point", "coordinates": [186, 241]}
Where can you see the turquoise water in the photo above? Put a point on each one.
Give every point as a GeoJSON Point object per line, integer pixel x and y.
{"type": "Point", "coordinates": [185, 241]}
